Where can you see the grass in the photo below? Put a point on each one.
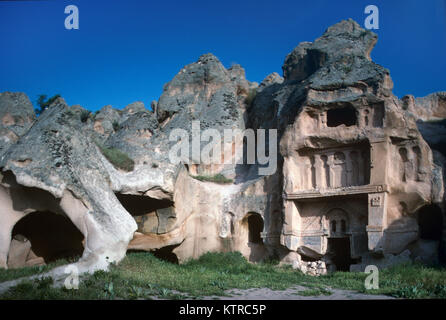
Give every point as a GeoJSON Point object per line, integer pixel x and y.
{"type": "Point", "coordinates": [117, 158]}
{"type": "Point", "coordinates": [314, 292]}
{"type": "Point", "coordinates": [142, 276]}
{"type": "Point", "coordinates": [218, 178]}
{"type": "Point", "coordinates": [12, 274]}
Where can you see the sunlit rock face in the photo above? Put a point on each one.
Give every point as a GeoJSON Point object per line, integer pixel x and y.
{"type": "Point", "coordinates": [56, 169]}
{"type": "Point", "coordinates": [359, 176]}
{"type": "Point", "coordinates": [16, 117]}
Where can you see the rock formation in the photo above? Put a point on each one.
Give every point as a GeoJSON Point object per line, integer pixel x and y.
{"type": "Point", "coordinates": [357, 182]}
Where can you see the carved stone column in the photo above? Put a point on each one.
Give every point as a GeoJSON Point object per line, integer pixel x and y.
{"type": "Point", "coordinates": [330, 163]}
{"type": "Point", "coordinates": [349, 168]}
{"type": "Point", "coordinates": [321, 182]}
{"type": "Point", "coordinates": [378, 162]}
{"type": "Point", "coordinates": [377, 207]}
{"type": "Point", "coordinates": [290, 237]}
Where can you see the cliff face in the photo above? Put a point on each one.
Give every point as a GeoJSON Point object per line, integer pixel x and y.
{"type": "Point", "coordinates": [356, 182]}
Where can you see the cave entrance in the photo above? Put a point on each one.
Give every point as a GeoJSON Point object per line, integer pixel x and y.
{"type": "Point", "coordinates": [166, 254]}
{"type": "Point", "coordinates": [430, 222]}
{"type": "Point", "coordinates": [254, 224]}
{"type": "Point", "coordinates": [52, 236]}
{"type": "Point", "coordinates": [340, 116]}
{"type": "Point", "coordinates": [151, 215]}
{"type": "Point", "coordinates": [138, 205]}
{"type": "Point", "coordinates": [339, 253]}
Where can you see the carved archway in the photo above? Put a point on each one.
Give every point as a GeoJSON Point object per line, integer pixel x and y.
{"type": "Point", "coordinates": [337, 222]}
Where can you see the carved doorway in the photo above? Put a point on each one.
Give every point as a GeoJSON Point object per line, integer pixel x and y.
{"type": "Point", "coordinates": [339, 251]}
{"type": "Point", "coordinates": [338, 240]}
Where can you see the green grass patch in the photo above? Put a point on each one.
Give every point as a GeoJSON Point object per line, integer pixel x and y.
{"type": "Point", "coordinates": [218, 178]}
{"type": "Point", "coordinates": [117, 158]}
{"type": "Point", "coordinates": [12, 274]}
{"type": "Point", "coordinates": [142, 276]}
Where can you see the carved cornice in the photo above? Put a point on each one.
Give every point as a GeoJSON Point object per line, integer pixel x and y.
{"type": "Point", "coordinates": [333, 192]}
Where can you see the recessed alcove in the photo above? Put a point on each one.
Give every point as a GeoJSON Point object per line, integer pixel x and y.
{"type": "Point", "coordinates": [52, 236]}
{"type": "Point", "coordinates": [342, 116]}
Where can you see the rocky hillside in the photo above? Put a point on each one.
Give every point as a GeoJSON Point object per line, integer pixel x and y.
{"type": "Point", "coordinates": [359, 173]}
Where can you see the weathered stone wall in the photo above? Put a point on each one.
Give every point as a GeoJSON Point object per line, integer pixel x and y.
{"type": "Point", "coordinates": [354, 182]}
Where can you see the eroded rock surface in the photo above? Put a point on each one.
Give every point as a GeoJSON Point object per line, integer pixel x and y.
{"type": "Point", "coordinates": [56, 168]}
{"type": "Point", "coordinates": [356, 182]}
{"type": "Point", "coordinates": [16, 117]}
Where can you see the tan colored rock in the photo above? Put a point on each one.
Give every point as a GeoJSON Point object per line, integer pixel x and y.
{"type": "Point", "coordinates": [428, 108]}
{"type": "Point", "coordinates": [356, 170]}
{"type": "Point", "coordinates": [18, 252]}
{"type": "Point", "coordinates": [355, 179]}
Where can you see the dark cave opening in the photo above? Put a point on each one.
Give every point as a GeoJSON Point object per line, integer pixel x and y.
{"type": "Point", "coordinates": [340, 116]}
{"type": "Point", "coordinates": [52, 236]}
{"type": "Point", "coordinates": [255, 228]}
{"type": "Point", "coordinates": [138, 205]}
{"type": "Point", "coordinates": [166, 254]}
{"type": "Point", "coordinates": [430, 222]}
{"type": "Point", "coordinates": [339, 252]}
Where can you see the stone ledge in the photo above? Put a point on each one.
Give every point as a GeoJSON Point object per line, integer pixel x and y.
{"type": "Point", "coordinates": [336, 192]}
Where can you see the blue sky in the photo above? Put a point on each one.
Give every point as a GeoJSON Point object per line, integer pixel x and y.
{"type": "Point", "coordinates": [125, 51]}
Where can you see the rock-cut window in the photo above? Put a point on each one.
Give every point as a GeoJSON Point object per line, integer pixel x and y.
{"type": "Point", "coordinates": [341, 116]}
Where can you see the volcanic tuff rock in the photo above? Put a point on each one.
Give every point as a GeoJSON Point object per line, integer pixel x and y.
{"type": "Point", "coordinates": [55, 167]}
{"type": "Point", "coordinates": [355, 177]}
{"type": "Point", "coordinates": [16, 116]}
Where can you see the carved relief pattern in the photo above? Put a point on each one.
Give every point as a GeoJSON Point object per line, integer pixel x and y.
{"type": "Point", "coordinates": [334, 169]}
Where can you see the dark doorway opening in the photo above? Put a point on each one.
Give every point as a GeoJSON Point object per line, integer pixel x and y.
{"type": "Point", "coordinates": [340, 116]}
{"type": "Point", "coordinates": [166, 254]}
{"type": "Point", "coordinates": [430, 222]}
{"type": "Point", "coordinates": [52, 236]}
{"type": "Point", "coordinates": [255, 228]}
{"type": "Point", "coordinates": [339, 252]}
{"type": "Point", "coordinates": [140, 205]}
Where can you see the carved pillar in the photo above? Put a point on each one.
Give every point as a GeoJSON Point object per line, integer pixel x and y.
{"type": "Point", "coordinates": [331, 172]}
{"type": "Point", "coordinates": [378, 162]}
{"type": "Point", "coordinates": [321, 182]}
{"type": "Point", "coordinates": [290, 237]}
{"type": "Point", "coordinates": [339, 170]}
{"type": "Point", "coordinates": [349, 169]}
{"type": "Point", "coordinates": [306, 181]}
{"type": "Point", "coordinates": [377, 221]}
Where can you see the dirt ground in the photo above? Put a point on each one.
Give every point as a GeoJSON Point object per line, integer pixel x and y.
{"type": "Point", "coordinates": [292, 294]}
